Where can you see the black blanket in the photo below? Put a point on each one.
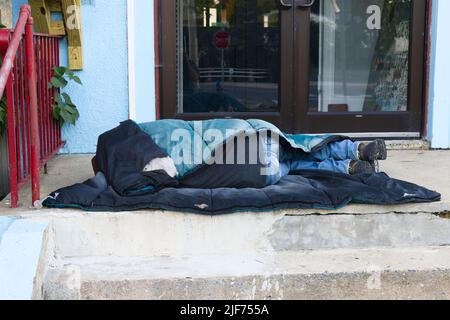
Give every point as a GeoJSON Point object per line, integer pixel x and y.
{"type": "Point", "coordinates": [121, 185]}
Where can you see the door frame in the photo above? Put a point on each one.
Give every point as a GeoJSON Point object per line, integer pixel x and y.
{"type": "Point", "coordinates": [298, 119]}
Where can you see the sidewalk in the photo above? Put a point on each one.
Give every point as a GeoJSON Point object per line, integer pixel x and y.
{"type": "Point", "coordinates": [430, 169]}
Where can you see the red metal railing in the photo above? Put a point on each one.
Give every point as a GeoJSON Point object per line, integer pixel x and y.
{"type": "Point", "coordinates": [47, 57]}
{"type": "Point", "coordinates": [33, 136]}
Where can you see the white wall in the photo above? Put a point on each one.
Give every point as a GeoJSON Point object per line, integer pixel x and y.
{"type": "Point", "coordinates": [439, 101]}
{"type": "Point", "coordinates": [141, 60]}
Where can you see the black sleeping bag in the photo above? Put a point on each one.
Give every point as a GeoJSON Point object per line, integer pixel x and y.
{"type": "Point", "coordinates": [121, 185]}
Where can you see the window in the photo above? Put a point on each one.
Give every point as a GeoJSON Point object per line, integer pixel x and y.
{"type": "Point", "coordinates": [332, 66]}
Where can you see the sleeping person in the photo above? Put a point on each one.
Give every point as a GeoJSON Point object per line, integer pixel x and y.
{"type": "Point", "coordinates": [279, 160]}
{"type": "Point", "coordinates": [255, 160]}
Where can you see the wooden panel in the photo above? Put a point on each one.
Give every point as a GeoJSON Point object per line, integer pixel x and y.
{"type": "Point", "coordinates": [41, 11]}
{"type": "Point", "coordinates": [41, 16]}
{"type": "Point", "coordinates": [57, 28]}
{"type": "Point", "coordinates": [72, 16]}
{"type": "Point", "coordinates": [6, 13]}
{"type": "Point", "coordinates": [70, 25]}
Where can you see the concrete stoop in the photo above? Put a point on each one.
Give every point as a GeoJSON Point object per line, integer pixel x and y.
{"type": "Point", "coordinates": [282, 255]}
{"type": "Point", "coordinates": [407, 273]}
{"type": "Point", "coordinates": [357, 252]}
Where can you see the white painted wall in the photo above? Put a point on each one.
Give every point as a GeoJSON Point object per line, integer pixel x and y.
{"type": "Point", "coordinates": [20, 250]}
{"type": "Point", "coordinates": [439, 101]}
{"type": "Point", "coordinates": [141, 60]}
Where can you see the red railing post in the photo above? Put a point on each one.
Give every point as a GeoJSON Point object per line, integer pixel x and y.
{"type": "Point", "coordinates": [6, 83]}
{"type": "Point", "coordinates": [13, 181]}
{"type": "Point", "coordinates": [32, 108]}
{"type": "Point", "coordinates": [31, 128]}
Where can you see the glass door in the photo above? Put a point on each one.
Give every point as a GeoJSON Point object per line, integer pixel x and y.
{"type": "Point", "coordinates": [307, 66]}
{"type": "Point", "coordinates": [365, 64]}
{"type": "Point", "coordinates": [228, 59]}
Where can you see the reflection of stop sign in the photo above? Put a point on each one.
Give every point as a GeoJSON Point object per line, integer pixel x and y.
{"type": "Point", "coordinates": [222, 40]}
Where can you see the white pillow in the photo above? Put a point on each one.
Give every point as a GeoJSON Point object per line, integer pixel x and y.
{"type": "Point", "coordinates": [165, 164]}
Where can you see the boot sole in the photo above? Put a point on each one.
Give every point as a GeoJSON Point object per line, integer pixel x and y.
{"type": "Point", "coordinates": [382, 150]}
{"type": "Point", "coordinates": [379, 151]}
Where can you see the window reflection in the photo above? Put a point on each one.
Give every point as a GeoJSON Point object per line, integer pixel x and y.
{"type": "Point", "coordinates": [228, 56]}
{"type": "Point", "coordinates": [360, 56]}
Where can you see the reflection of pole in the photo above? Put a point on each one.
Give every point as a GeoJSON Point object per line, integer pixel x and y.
{"type": "Point", "coordinates": [223, 65]}
{"type": "Point", "coordinates": [193, 33]}
{"type": "Point", "coordinates": [344, 51]}
{"type": "Point", "coordinates": [336, 6]}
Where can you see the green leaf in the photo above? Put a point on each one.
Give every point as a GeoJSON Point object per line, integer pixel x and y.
{"type": "Point", "coordinates": [60, 70]}
{"type": "Point", "coordinates": [56, 112]}
{"type": "Point", "coordinates": [74, 112]}
{"type": "Point", "coordinates": [77, 80]}
{"type": "Point", "coordinates": [64, 110]}
{"type": "Point", "coordinates": [67, 99]}
{"type": "Point", "coordinates": [67, 117]}
{"type": "Point", "coordinates": [58, 98]}
{"type": "Point", "coordinates": [70, 110]}
{"type": "Point", "coordinates": [70, 73]}
{"type": "Point", "coordinates": [2, 116]}
{"type": "Point", "coordinates": [69, 114]}
{"type": "Point", "coordinates": [59, 82]}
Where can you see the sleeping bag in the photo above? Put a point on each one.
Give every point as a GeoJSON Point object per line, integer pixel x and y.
{"type": "Point", "coordinates": [211, 176]}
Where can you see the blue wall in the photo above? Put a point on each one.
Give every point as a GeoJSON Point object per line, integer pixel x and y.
{"type": "Point", "coordinates": [439, 103]}
{"type": "Point", "coordinates": [103, 99]}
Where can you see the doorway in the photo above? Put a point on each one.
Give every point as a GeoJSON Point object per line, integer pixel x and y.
{"type": "Point", "coordinates": [324, 66]}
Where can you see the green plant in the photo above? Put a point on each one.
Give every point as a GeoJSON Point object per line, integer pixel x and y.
{"type": "Point", "coordinates": [63, 109]}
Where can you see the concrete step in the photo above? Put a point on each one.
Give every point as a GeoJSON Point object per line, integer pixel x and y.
{"type": "Point", "coordinates": [279, 255]}
{"type": "Point", "coordinates": [177, 234]}
{"type": "Point", "coordinates": [378, 273]}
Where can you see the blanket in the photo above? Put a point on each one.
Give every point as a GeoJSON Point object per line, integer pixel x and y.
{"type": "Point", "coordinates": [206, 188]}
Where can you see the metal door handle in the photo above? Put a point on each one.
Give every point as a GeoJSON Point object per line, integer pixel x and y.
{"type": "Point", "coordinates": [305, 3]}
{"type": "Point", "coordinates": [298, 3]}
{"type": "Point", "coordinates": [285, 3]}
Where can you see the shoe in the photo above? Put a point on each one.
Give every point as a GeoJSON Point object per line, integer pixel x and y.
{"type": "Point", "coordinates": [375, 150]}
{"type": "Point", "coordinates": [361, 167]}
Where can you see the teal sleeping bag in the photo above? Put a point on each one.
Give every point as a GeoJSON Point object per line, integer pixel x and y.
{"type": "Point", "coordinates": [169, 135]}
